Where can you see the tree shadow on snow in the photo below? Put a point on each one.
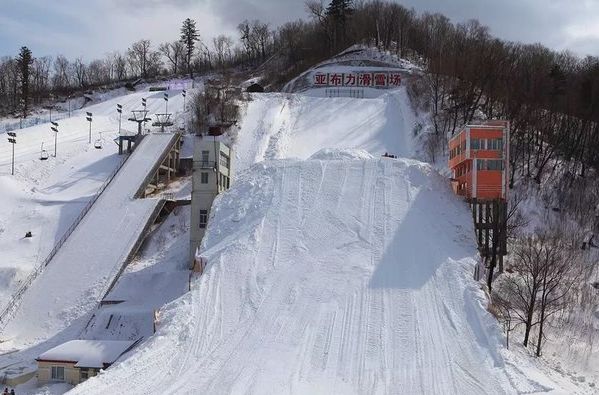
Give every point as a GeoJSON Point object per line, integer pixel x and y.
{"type": "Point", "coordinates": [424, 240]}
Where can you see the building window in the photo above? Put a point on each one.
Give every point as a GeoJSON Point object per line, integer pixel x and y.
{"type": "Point", "coordinates": [205, 156]}
{"type": "Point", "coordinates": [480, 164]}
{"type": "Point", "coordinates": [203, 218]}
{"type": "Point", "coordinates": [57, 373]}
{"type": "Point", "coordinates": [494, 165]}
{"type": "Point", "coordinates": [83, 374]}
{"type": "Point", "coordinates": [495, 144]}
{"type": "Point", "coordinates": [204, 178]}
{"type": "Point", "coordinates": [475, 144]}
{"type": "Point", "coordinates": [224, 160]}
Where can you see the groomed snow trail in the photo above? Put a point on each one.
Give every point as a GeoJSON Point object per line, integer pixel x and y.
{"type": "Point", "coordinates": [78, 275]}
{"type": "Point", "coordinates": [339, 274]}
{"type": "Point", "coordinates": [278, 125]}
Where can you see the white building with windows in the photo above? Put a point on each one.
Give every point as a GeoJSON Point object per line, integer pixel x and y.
{"type": "Point", "coordinates": [212, 173]}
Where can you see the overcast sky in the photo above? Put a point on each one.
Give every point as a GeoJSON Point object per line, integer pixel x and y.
{"type": "Point", "coordinates": [91, 28]}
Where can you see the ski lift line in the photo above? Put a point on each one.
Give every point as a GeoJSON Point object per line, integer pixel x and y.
{"type": "Point", "coordinates": [15, 299]}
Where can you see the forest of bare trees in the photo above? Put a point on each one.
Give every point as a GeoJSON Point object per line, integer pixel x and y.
{"type": "Point", "coordinates": [552, 98]}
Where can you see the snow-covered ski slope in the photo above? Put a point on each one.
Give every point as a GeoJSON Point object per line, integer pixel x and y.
{"type": "Point", "coordinates": [80, 273]}
{"type": "Point", "coordinates": [327, 276]}
{"type": "Point", "coordinates": [45, 197]}
{"type": "Point", "coordinates": [281, 125]}
{"type": "Point", "coordinates": [336, 272]}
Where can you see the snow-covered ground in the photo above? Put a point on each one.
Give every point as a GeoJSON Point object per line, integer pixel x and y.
{"type": "Point", "coordinates": [278, 125]}
{"type": "Point", "coordinates": [331, 270]}
{"type": "Point", "coordinates": [76, 278]}
{"type": "Point", "coordinates": [336, 274]}
{"type": "Point", "coordinates": [44, 197]}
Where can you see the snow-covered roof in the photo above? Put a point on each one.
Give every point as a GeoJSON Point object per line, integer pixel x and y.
{"type": "Point", "coordinates": [87, 353]}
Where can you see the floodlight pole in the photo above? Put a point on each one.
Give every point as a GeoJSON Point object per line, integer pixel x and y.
{"type": "Point", "coordinates": [12, 138]}
{"type": "Point", "coordinates": [119, 109]}
{"type": "Point", "coordinates": [54, 128]}
{"type": "Point", "coordinates": [89, 119]}
{"type": "Point", "coordinates": [12, 172]}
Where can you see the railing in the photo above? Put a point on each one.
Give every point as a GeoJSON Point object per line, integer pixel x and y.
{"type": "Point", "coordinates": [123, 262]}
{"type": "Point", "coordinates": [146, 181]}
{"type": "Point", "coordinates": [205, 164]}
{"type": "Point", "coordinates": [14, 301]}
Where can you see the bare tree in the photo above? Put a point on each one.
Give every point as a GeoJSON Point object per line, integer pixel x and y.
{"type": "Point", "coordinates": [79, 70]}
{"type": "Point", "coordinates": [222, 49]}
{"type": "Point", "coordinates": [174, 52]}
{"type": "Point", "coordinates": [138, 56]}
{"type": "Point", "coordinates": [544, 270]}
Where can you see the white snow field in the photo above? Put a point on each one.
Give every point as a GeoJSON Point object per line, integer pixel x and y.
{"type": "Point", "coordinates": [76, 278]}
{"type": "Point", "coordinates": [329, 271]}
{"type": "Point", "coordinates": [338, 274]}
{"type": "Point", "coordinates": [44, 197]}
{"type": "Point", "coordinates": [281, 125]}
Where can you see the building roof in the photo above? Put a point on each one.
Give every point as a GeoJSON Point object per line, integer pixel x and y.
{"type": "Point", "coordinates": [88, 353]}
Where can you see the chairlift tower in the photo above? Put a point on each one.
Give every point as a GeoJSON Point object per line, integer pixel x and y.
{"type": "Point", "coordinates": [139, 116]}
{"type": "Point", "coordinates": [163, 120]}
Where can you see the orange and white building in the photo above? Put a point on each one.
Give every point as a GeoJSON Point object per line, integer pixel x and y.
{"type": "Point", "coordinates": [479, 159]}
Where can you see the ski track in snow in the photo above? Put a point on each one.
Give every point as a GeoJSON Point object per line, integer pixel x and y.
{"type": "Point", "coordinates": [331, 286]}
{"type": "Point", "coordinates": [343, 273]}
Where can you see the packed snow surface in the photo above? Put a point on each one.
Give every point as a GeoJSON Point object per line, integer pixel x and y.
{"type": "Point", "coordinates": [326, 276]}
{"type": "Point", "coordinates": [279, 126]}
{"type": "Point", "coordinates": [78, 276]}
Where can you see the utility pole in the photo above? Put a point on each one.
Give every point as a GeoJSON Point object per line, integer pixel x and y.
{"type": "Point", "coordinates": [89, 119]}
{"type": "Point", "coordinates": [144, 104]}
{"type": "Point", "coordinates": [119, 109]}
{"type": "Point", "coordinates": [54, 128]}
{"type": "Point", "coordinates": [13, 140]}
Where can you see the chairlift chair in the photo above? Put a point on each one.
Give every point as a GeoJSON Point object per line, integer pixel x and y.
{"type": "Point", "coordinates": [43, 153]}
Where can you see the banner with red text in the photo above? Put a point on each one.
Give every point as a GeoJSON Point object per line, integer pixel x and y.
{"type": "Point", "coordinates": [377, 79]}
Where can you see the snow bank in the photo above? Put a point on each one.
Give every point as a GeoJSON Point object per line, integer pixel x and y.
{"type": "Point", "coordinates": [337, 276]}
{"type": "Point", "coordinates": [341, 154]}
{"type": "Point", "coordinates": [280, 126]}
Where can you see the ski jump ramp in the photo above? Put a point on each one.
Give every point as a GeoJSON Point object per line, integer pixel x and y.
{"type": "Point", "coordinates": [94, 255]}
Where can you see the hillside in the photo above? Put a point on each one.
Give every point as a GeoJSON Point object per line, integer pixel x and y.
{"type": "Point", "coordinates": [335, 273]}
{"type": "Point", "coordinates": [330, 270]}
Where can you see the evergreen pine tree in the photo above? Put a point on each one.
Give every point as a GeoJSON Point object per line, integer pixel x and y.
{"type": "Point", "coordinates": [189, 36]}
{"type": "Point", "coordinates": [24, 61]}
{"type": "Point", "coordinates": [338, 13]}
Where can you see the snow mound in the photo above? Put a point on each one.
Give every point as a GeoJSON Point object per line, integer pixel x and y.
{"type": "Point", "coordinates": [335, 276]}
{"type": "Point", "coordinates": [341, 154]}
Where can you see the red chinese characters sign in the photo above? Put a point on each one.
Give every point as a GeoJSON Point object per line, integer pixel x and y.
{"type": "Point", "coordinates": [381, 79]}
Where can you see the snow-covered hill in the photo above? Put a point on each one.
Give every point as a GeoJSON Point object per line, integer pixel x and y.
{"type": "Point", "coordinates": [44, 197]}
{"type": "Point", "coordinates": [331, 270]}
{"type": "Point", "coordinates": [338, 274]}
